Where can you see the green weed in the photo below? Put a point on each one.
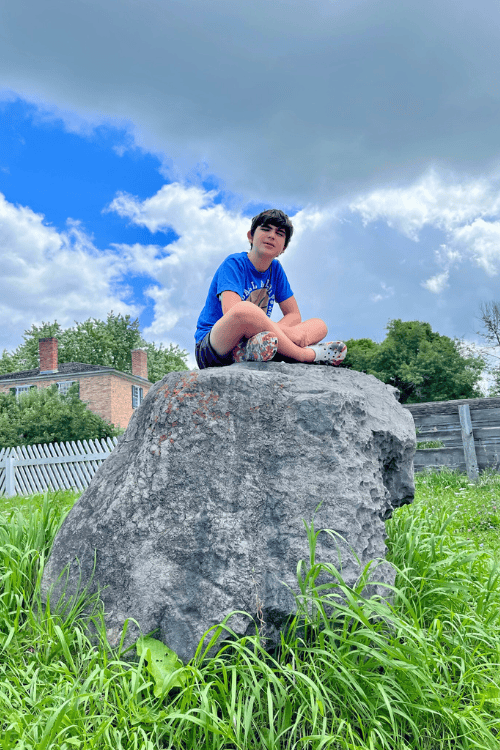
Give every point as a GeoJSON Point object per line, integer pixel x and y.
{"type": "Point", "coordinates": [428, 444]}
{"type": "Point", "coordinates": [472, 508]}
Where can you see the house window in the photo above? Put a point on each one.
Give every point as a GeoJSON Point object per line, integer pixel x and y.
{"type": "Point", "coordinates": [137, 396]}
{"type": "Point", "coordinates": [64, 385]}
{"type": "Point", "coordinates": [18, 389]}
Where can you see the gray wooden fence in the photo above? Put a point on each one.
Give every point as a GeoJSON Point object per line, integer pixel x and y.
{"type": "Point", "coordinates": [34, 468]}
{"type": "Point", "coordinates": [469, 430]}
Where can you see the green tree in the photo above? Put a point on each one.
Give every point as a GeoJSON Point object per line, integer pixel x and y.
{"type": "Point", "coordinates": [96, 342]}
{"type": "Point", "coordinates": [163, 359]}
{"type": "Point", "coordinates": [422, 364]}
{"type": "Point", "coordinates": [44, 416]}
{"type": "Point", "coordinates": [360, 354]}
{"type": "Point", "coordinates": [9, 362]}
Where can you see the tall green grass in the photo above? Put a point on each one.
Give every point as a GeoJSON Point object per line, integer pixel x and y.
{"type": "Point", "coordinates": [352, 672]}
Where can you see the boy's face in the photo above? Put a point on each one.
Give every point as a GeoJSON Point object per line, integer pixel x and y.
{"type": "Point", "coordinates": [268, 240]}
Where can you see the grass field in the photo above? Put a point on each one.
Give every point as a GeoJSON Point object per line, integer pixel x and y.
{"type": "Point", "coordinates": [352, 673]}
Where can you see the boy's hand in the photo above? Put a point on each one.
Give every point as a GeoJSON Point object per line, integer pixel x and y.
{"type": "Point", "coordinates": [298, 337]}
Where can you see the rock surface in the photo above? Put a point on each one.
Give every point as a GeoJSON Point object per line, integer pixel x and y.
{"type": "Point", "coordinates": [199, 510]}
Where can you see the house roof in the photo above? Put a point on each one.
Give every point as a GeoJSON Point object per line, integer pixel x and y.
{"type": "Point", "coordinates": [66, 368]}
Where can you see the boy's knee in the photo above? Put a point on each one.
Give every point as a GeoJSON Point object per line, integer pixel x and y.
{"type": "Point", "coordinates": [318, 327]}
{"type": "Point", "coordinates": [245, 310]}
{"type": "Point", "coordinates": [323, 326]}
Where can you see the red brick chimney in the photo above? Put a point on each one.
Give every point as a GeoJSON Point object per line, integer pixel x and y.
{"type": "Point", "coordinates": [48, 355]}
{"type": "Point", "coordinates": [140, 363]}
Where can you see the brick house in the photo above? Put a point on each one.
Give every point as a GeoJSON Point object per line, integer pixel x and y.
{"type": "Point", "coordinates": [109, 393]}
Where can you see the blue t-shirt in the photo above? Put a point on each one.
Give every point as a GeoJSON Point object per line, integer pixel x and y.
{"type": "Point", "coordinates": [238, 274]}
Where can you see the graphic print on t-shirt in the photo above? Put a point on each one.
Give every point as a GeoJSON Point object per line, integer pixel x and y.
{"type": "Point", "coordinates": [260, 297]}
{"type": "Point", "coordinates": [263, 296]}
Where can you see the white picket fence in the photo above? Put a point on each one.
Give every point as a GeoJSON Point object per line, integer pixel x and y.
{"type": "Point", "coordinates": [34, 468]}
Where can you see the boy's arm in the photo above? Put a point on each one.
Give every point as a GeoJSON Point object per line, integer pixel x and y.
{"type": "Point", "coordinates": [228, 299]}
{"type": "Point", "coordinates": [290, 310]}
{"type": "Point", "coordinates": [290, 324]}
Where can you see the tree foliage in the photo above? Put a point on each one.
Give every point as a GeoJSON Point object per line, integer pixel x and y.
{"type": "Point", "coordinates": [45, 416]}
{"type": "Point", "coordinates": [96, 342]}
{"type": "Point", "coordinates": [422, 364]}
{"type": "Point", "coordinates": [163, 359]}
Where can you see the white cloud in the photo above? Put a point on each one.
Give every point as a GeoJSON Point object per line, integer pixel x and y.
{"type": "Point", "coordinates": [48, 275]}
{"type": "Point", "coordinates": [437, 283]}
{"type": "Point", "coordinates": [387, 292]}
{"type": "Point", "coordinates": [447, 256]}
{"type": "Point", "coordinates": [430, 201]}
{"type": "Point", "coordinates": [481, 239]}
{"type": "Point", "coordinates": [466, 211]}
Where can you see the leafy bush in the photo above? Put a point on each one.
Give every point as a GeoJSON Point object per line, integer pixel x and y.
{"type": "Point", "coordinates": [45, 416]}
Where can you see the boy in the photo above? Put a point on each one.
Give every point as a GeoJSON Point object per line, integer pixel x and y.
{"type": "Point", "coordinates": [234, 325]}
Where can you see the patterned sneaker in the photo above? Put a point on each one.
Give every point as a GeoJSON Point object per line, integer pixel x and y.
{"type": "Point", "coordinates": [329, 352]}
{"type": "Point", "coordinates": [259, 348]}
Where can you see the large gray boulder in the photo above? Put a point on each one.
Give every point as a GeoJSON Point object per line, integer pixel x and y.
{"type": "Point", "coordinates": [199, 510]}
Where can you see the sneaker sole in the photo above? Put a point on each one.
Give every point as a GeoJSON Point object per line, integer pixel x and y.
{"type": "Point", "coordinates": [260, 348]}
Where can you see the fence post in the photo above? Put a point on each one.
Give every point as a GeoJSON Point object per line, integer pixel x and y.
{"type": "Point", "coordinates": [468, 442]}
{"type": "Point", "coordinates": [10, 475]}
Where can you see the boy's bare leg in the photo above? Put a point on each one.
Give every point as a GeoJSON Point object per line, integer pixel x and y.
{"type": "Point", "coordinates": [308, 332]}
{"type": "Point", "coordinates": [245, 319]}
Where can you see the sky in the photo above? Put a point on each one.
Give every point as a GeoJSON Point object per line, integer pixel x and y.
{"type": "Point", "coordinates": [139, 137]}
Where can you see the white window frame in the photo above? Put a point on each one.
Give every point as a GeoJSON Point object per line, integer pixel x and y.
{"type": "Point", "coordinates": [20, 389]}
{"type": "Point", "coordinates": [63, 386]}
{"type": "Point", "coordinates": [137, 396]}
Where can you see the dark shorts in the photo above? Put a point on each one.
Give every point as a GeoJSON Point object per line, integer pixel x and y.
{"type": "Point", "coordinates": [206, 356]}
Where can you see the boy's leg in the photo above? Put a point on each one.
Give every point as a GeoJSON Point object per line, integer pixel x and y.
{"type": "Point", "coordinates": [308, 332]}
{"type": "Point", "coordinates": [246, 320]}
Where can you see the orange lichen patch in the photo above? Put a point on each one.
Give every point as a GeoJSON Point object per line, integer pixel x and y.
{"type": "Point", "coordinates": [162, 438]}
{"type": "Point", "coordinates": [181, 391]}
{"type": "Point", "coordinates": [186, 381]}
{"type": "Point", "coordinates": [205, 405]}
